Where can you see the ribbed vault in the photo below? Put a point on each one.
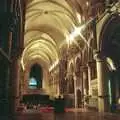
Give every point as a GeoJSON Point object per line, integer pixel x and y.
{"type": "Point", "coordinates": [47, 23]}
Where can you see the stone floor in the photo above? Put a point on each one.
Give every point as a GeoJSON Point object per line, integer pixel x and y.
{"type": "Point", "coordinates": [64, 116]}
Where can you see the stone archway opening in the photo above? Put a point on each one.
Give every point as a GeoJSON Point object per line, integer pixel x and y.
{"type": "Point", "coordinates": [35, 77]}
{"type": "Point", "coordinates": [110, 48]}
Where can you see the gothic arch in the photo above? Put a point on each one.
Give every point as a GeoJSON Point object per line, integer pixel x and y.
{"type": "Point", "coordinates": [77, 65]}
{"type": "Point", "coordinates": [85, 56]}
{"type": "Point", "coordinates": [109, 22]}
{"type": "Point", "coordinates": [36, 74]}
{"type": "Point", "coordinates": [70, 82]}
{"type": "Point", "coordinates": [109, 44]}
{"type": "Point", "coordinates": [27, 72]}
{"type": "Point", "coordinates": [71, 67]}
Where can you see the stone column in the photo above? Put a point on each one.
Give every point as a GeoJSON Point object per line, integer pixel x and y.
{"type": "Point", "coordinates": [85, 86]}
{"type": "Point", "coordinates": [89, 79]}
{"type": "Point", "coordinates": [113, 90]}
{"type": "Point", "coordinates": [14, 85]}
{"type": "Point", "coordinates": [117, 88]}
{"type": "Point", "coordinates": [102, 83]}
{"type": "Point", "coordinates": [21, 84]}
{"type": "Point", "coordinates": [26, 77]}
{"type": "Point", "coordinates": [75, 91]}
{"type": "Point", "coordinates": [4, 87]}
{"type": "Point", "coordinates": [17, 83]}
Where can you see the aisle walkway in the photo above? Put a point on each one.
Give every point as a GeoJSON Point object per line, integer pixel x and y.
{"type": "Point", "coordinates": [64, 116]}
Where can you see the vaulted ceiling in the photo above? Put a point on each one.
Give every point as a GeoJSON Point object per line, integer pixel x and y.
{"type": "Point", "coordinates": [47, 25]}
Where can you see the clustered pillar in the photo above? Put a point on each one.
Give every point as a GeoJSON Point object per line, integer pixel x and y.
{"type": "Point", "coordinates": [102, 84]}
{"type": "Point", "coordinates": [4, 90]}
{"type": "Point", "coordinates": [75, 91]}
{"type": "Point", "coordinates": [85, 81]}
{"type": "Point", "coordinates": [89, 79]}
{"type": "Point", "coordinates": [14, 86]}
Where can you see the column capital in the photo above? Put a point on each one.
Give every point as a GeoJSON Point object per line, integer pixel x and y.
{"type": "Point", "coordinates": [98, 56]}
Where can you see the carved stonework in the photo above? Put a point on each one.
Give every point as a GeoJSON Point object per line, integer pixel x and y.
{"type": "Point", "coordinates": [72, 51]}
